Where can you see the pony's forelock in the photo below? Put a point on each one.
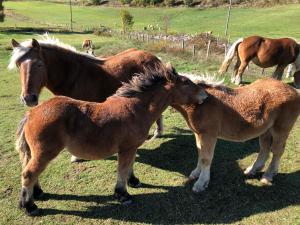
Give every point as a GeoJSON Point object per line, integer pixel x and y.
{"type": "Point", "coordinates": [17, 53]}
{"type": "Point", "coordinates": [45, 39]}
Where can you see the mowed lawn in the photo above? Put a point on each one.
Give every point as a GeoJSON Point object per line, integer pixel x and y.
{"type": "Point", "coordinates": [274, 22]}
{"type": "Point", "coordinates": [82, 193]}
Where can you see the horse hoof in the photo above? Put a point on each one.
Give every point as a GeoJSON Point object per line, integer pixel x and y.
{"type": "Point", "coordinates": [123, 197]}
{"type": "Point", "coordinates": [134, 182]}
{"type": "Point", "coordinates": [35, 212]}
{"type": "Point", "coordinates": [74, 159]}
{"type": "Point", "coordinates": [31, 209]}
{"type": "Point", "coordinates": [37, 192]}
{"type": "Point", "coordinates": [266, 181]}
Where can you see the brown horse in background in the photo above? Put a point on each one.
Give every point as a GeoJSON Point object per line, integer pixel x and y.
{"type": "Point", "coordinates": [84, 128]}
{"type": "Point", "coordinates": [87, 44]}
{"type": "Point", "coordinates": [263, 52]}
{"type": "Point", "coordinates": [266, 109]}
{"type": "Point", "coordinates": [60, 68]}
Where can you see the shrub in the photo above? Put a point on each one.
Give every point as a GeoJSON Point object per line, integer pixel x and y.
{"type": "Point", "coordinates": [188, 2]}
{"type": "Point", "coordinates": [127, 20]}
{"type": "Point", "coordinates": [169, 2]}
{"type": "Point", "coordinates": [95, 2]}
{"type": "Point", "coordinates": [125, 1]}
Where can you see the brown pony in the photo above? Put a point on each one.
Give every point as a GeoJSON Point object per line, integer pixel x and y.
{"type": "Point", "coordinates": [60, 68]}
{"type": "Point", "coordinates": [264, 52]}
{"type": "Point", "coordinates": [266, 109]}
{"type": "Point", "coordinates": [87, 44]}
{"type": "Point", "coordinates": [84, 128]}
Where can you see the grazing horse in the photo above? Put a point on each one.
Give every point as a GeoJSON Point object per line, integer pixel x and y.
{"type": "Point", "coordinates": [87, 44]}
{"type": "Point", "coordinates": [264, 52]}
{"type": "Point", "coordinates": [267, 109]}
{"type": "Point", "coordinates": [84, 128]}
{"type": "Point", "coordinates": [60, 68]}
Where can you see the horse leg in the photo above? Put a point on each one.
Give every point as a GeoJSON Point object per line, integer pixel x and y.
{"type": "Point", "coordinates": [133, 181]}
{"type": "Point", "coordinates": [279, 72]}
{"type": "Point", "coordinates": [206, 146]}
{"type": "Point", "coordinates": [265, 141]}
{"type": "Point", "coordinates": [159, 128]}
{"type": "Point", "coordinates": [277, 149]}
{"type": "Point", "coordinates": [235, 69]}
{"type": "Point", "coordinates": [196, 172]}
{"type": "Point", "coordinates": [37, 190]}
{"type": "Point", "coordinates": [289, 70]}
{"type": "Point", "coordinates": [238, 76]}
{"type": "Point", "coordinates": [29, 180]}
{"type": "Point", "coordinates": [125, 161]}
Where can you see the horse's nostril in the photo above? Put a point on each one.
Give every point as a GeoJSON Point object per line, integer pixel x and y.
{"type": "Point", "coordinates": [30, 100]}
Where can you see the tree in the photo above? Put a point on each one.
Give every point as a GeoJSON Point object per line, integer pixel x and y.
{"type": "Point", "coordinates": [127, 20]}
{"type": "Point", "coordinates": [1, 11]}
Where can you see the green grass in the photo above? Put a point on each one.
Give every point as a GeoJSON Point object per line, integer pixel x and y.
{"type": "Point", "coordinates": [274, 22]}
{"type": "Point", "coordinates": [82, 193]}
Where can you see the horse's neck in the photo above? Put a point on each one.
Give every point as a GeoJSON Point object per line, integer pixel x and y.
{"type": "Point", "coordinates": [65, 71]}
{"type": "Point", "coordinates": [151, 104]}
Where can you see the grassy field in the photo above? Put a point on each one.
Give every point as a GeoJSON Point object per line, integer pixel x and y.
{"type": "Point", "coordinates": [274, 22]}
{"type": "Point", "coordinates": [82, 193]}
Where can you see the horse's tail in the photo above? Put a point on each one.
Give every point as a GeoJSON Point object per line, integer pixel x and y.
{"type": "Point", "coordinates": [229, 56]}
{"type": "Point", "coordinates": [21, 143]}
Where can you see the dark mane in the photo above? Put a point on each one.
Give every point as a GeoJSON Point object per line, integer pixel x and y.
{"type": "Point", "coordinates": [143, 82]}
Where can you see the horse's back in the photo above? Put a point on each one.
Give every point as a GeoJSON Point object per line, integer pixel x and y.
{"type": "Point", "coordinates": [124, 65]}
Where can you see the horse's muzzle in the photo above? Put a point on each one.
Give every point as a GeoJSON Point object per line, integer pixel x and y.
{"type": "Point", "coordinates": [30, 100]}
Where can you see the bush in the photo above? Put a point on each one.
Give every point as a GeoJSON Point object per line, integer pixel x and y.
{"type": "Point", "coordinates": [102, 31]}
{"type": "Point", "coordinates": [127, 20]}
{"type": "Point", "coordinates": [125, 1]}
{"type": "Point", "coordinates": [141, 2]}
{"type": "Point", "coordinates": [95, 2]}
{"type": "Point", "coordinates": [188, 2]}
{"type": "Point", "coordinates": [169, 2]}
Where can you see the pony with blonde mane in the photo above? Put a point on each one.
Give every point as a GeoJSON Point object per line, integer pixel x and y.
{"type": "Point", "coordinates": [64, 71]}
{"type": "Point", "coordinates": [92, 130]}
{"type": "Point", "coordinates": [263, 52]}
{"type": "Point", "coordinates": [267, 109]}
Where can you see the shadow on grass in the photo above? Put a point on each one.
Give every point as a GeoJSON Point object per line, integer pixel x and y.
{"type": "Point", "coordinates": [229, 197]}
{"type": "Point", "coordinates": [41, 30]}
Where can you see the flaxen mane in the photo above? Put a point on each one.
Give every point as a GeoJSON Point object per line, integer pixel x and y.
{"type": "Point", "coordinates": [143, 82]}
{"type": "Point", "coordinates": [205, 79]}
{"type": "Point", "coordinates": [46, 41]}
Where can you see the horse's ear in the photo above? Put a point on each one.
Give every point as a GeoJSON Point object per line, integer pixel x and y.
{"type": "Point", "coordinates": [35, 44]}
{"type": "Point", "coordinates": [171, 73]}
{"type": "Point", "coordinates": [14, 43]}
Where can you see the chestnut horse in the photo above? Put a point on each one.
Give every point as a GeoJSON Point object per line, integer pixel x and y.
{"type": "Point", "coordinates": [87, 44]}
{"type": "Point", "coordinates": [60, 68]}
{"type": "Point", "coordinates": [264, 52]}
{"type": "Point", "coordinates": [84, 128]}
{"type": "Point", "coordinates": [267, 109]}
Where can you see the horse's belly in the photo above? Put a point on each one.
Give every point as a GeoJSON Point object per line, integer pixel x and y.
{"type": "Point", "coordinates": [92, 152]}
{"type": "Point", "coordinates": [243, 134]}
{"type": "Point", "coordinates": [263, 63]}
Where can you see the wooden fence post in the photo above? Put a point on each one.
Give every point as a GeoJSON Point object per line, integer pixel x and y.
{"type": "Point", "coordinates": [182, 44]}
{"type": "Point", "coordinates": [208, 48]}
{"type": "Point", "coordinates": [194, 51]}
